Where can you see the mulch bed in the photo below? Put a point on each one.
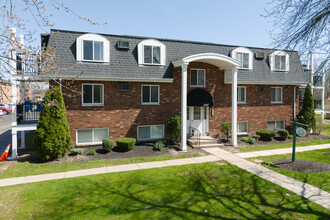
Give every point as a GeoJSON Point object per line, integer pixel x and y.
{"type": "Point", "coordinates": [304, 166]}
{"type": "Point", "coordinates": [139, 150]}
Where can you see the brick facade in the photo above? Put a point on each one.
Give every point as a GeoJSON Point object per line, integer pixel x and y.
{"type": "Point", "coordinates": [123, 112]}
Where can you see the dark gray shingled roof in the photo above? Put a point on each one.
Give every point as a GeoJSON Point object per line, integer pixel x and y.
{"type": "Point", "coordinates": [124, 63]}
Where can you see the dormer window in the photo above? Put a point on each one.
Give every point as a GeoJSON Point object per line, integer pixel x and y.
{"type": "Point", "coordinates": [244, 56]}
{"type": "Point", "coordinates": [279, 61]}
{"type": "Point", "coordinates": [93, 48]}
{"type": "Point", "coordinates": [151, 52]}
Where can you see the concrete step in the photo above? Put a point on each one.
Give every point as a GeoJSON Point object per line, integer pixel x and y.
{"type": "Point", "coordinates": [204, 141]}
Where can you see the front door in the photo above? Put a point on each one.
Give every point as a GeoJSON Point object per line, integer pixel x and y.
{"type": "Point", "coordinates": [197, 118]}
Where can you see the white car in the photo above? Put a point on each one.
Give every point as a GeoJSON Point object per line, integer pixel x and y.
{"type": "Point", "coordinates": [5, 105]}
{"type": "Point", "coordinates": [1, 113]}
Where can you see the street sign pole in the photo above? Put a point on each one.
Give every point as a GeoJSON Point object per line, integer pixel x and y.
{"type": "Point", "coordinates": [295, 123]}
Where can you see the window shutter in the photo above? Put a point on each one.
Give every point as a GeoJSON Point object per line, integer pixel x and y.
{"type": "Point", "coordinates": [79, 49]}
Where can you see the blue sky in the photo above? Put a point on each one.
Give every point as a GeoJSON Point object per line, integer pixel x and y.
{"type": "Point", "coordinates": [235, 22]}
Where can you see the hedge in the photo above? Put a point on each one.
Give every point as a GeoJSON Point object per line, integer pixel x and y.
{"type": "Point", "coordinates": [125, 144]}
{"type": "Point", "coordinates": [266, 135]}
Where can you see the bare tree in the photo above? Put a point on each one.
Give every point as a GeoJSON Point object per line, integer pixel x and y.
{"type": "Point", "coordinates": [302, 25]}
{"type": "Point", "coordinates": [29, 18]}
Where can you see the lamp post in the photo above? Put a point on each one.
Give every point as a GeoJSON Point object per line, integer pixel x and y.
{"type": "Point", "coordinates": [295, 123]}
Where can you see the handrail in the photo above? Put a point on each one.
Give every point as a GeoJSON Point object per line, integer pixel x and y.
{"type": "Point", "coordinates": [199, 134]}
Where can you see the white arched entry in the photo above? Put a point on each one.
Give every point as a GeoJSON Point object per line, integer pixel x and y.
{"type": "Point", "coordinates": [221, 61]}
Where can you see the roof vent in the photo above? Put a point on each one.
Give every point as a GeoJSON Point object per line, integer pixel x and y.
{"type": "Point", "coordinates": [123, 45]}
{"type": "Point", "coordinates": [260, 55]}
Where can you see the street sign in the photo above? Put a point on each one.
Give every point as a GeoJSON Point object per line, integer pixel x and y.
{"type": "Point", "coordinates": [295, 123]}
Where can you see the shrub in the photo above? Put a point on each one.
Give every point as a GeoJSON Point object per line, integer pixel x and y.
{"type": "Point", "coordinates": [52, 138]}
{"type": "Point", "coordinates": [91, 152]}
{"type": "Point", "coordinates": [248, 140]}
{"type": "Point", "coordinates": [283, 134]}
{"type": "Point", "coordinates": [318, 129]}
{"type": "Point", "coordinates": [257, 137]}
{"type": "Point", "coordinates": [307, 113]}
{"type": "Point", "coordinates": [159, 145]}
{"type": "Point", "coordinates": [290, 136]}
{"type": "Point", "coordinates": [266, 135]}
{"type": "Point", "coordinates": [76, 151]}
{"type": "Point", "coordinates": [125, 144]}
{"type": "Point", "coordinates": [174, 128]}
{"type": "Point", "coordinates": [107, 144]}
{"type": "Point", "coordinates": [225, 129]}
{"type": "Point", "coordinates": [29, 139]}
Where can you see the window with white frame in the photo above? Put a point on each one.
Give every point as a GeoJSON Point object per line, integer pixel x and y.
{"type": "Point", "coordinates": [150, 94]}
{"type": "Point", "coordinates": [151, 52]}
{"type": "Point", "coordinates": [92, 47]}
{"type": "Point", "coordinates": [275, 125]}
{"type": "Point", "coordinates": [279, 61]}
{"type": "Point", "coordinates": [147, 132]}
{"type": "Point", "coordinates": [243, 127]}
{"type": "Point", "coordinates": [244, 56]}
{"type": "Point", "coordinates": [197, 78]}
{"type": "Point", "coordinates": [91, 135]}
{"type": "Point", "coordinates": [276, 95]}
{"type": "Point", "coordinates": [241, 94]}
{"type": "Point", "coordinates": [93, 50]}
{"type": "Point", "coordinates": [93, 94]}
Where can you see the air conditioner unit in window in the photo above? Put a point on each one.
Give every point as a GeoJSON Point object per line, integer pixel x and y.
{"type": "Point", "coordinates": [123, 45]}
{"type": "Point", "coordinates": [260, 89]}
{"type": "Point", "coordinates": [260, 55]}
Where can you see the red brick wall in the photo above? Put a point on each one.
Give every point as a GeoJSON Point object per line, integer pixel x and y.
{"type": "Point", "coordinates": [123, 112]}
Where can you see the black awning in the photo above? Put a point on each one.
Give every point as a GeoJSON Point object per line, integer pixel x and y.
{"type": "Point", "coordinates": [199, 97]}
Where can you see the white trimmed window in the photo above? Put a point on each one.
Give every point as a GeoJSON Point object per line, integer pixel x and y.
{"type": "Point", "coordinates": [197, 78]}
{"type": "Point", "coordinates": [276, 125]}
{"type": "Point", "coordinates": [151, 52]}
{"type": "Point", "coordinates": [91, 135]}
{"type": "Point", "coordinates": [93, 48]}
{"type": "Point", "coordinates": [150, 132]}
{"type": "Point", "coordinates": [243, 127]}
{"type": "Point", "coordinates": [92, 94]}
{"type": "Point", "coordinates": [276, 95]}
{"type": "Point", "coordinates": [244, 56]}
{"type": "Point", "coordinates": [150, 94]}
{"type": "Point", "coordinates": [241, 94]}
{"type": "Point", "coordinates": [279, 61]}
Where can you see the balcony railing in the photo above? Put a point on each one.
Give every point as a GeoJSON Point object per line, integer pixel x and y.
{"type": "Point", "coordinates": [28, 113]}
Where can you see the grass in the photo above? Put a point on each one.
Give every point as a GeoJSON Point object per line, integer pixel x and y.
{"type": "Point", "coordinates": [277, 146]}
{"type": "Point", "coordinates": [197, 191]}
{"type": "Point", "coordinates": [319, 180]}
{"type": "Point", "coordinates": [17, 169]}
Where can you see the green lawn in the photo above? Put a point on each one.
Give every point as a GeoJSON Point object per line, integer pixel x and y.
{"type": "Point", "coordinates": [198, 191]}
{"type": "Point", "coordinates": [276, 146]}
{"type": "Point", "coordinates": [17, 169]}
{"type": "Point", "coordinates": [320, 180]}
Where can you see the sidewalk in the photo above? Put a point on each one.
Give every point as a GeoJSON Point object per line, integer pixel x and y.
{"type": "Point", "coordinates": [308, 191]}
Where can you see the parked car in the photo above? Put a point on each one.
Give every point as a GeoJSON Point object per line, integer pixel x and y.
{"type": "Point", "coordinates": [5, 110]}
{"type": "Point", "coordinates": [5, 105]}
{"type": "Point", "coordinates": [1, 113]}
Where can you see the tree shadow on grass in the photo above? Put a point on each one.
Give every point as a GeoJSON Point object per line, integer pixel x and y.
{"type": "Point", "coordinates": [220, 192]}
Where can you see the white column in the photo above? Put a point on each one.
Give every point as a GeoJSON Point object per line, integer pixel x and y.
{"type": "Point", "coordinates": [184, 67]}
{"type": "Point", "coordinates": [14, 143]}
{"type": "Point", "coordinates": [234, 107]}
{"type": "Point", "coordinates": [322, 114]}
{"type": "Point", "coordinates": [13, 69]}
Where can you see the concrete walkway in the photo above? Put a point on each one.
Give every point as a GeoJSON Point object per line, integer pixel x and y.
{"type": "Point", "coordinates": [281, 151]}
{"type": "Point", "coordinates": [303, 189]}
{"type": "Point", "coordinates": [109, 169]}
